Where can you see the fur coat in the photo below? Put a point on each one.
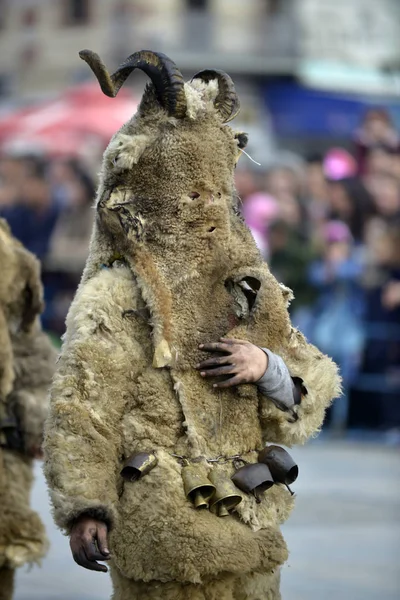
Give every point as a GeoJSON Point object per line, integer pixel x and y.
{"type": "Point", "coordinates": [26, 366]}
{"type": "Point", "coordinates": [168, 259]}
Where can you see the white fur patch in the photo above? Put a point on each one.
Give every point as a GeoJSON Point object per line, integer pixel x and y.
{"type": "Point", "coordinates": [200, 97]}
{"type": "Point", "coordinates": [287, 293]}
{"type": "Point", "coordinates": [125, 151]}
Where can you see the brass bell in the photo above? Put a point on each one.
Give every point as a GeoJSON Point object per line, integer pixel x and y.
{"type": "Point", "coordinates": [280, 463]}
{"type": "Point", "coordinates": [253, 479]}
{"type": "Point", "coordinates": [138, 465]}
{"type": "Point", "coordinates": [226, 496]}
{"type": "Point", "coordinates": [221, 510]}
{"type": "Point", "coordinates": [198, 488]}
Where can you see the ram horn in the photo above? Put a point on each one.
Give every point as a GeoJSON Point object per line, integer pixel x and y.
{"type": "Point", "coordinates": [227, 101]}
{"type": "Point", "coordinates": [163, 72]}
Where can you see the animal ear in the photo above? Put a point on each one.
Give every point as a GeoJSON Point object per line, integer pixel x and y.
{"type": "Point", "coordinates": [124, 151]}
{"type": "Point", "coordinates": [227, 101]}
{"type": "Point", "coordinates": [287, 294]}
{"type": "Point", "coordinates": [242, 139]}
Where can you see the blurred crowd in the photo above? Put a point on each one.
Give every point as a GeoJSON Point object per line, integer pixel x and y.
{"type": "Point", "coordinates": [328, 225]}
{"type": "Point", "coordinates": [48, 205]}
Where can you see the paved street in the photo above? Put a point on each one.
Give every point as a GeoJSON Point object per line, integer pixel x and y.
{"type": "Point", "coordinates": [344, 535]}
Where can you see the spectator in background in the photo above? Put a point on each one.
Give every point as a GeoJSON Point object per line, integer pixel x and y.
{"type": "Point", "coordinates": [14, 168]}
{"type": "Point", "coordinates": [246, 183]}
{"type": "Point", "coordinates": [286, 236]}
{"type": "Point", "coordinates": [32, 213]}
{"type": "Point", "coordinates": [12, 171]}
{"type": "Point", "coordinates": [336, 324]}
{"type": "Point", "coordinates": [386, 194]}
{"type": "Point", "coordinates": [258, 211]}
{"type": "Point", "coordinates": [75, 192]}
{"type": "Point", "coordinates": [290, 255]}
{"type": "Point", "coordinates": [379, 161]}
{"type": "Point", "coordinates": [351, 203]}
{"type": "Point", "coordinates": [375, 397]}
{"type": "Point", "coordinates": [395, 166]}
{"type": "Point", "coordinates": [315, 192]}
{"type": "Point", "coordinates": [348, 200]}
{"type": "Point", "coordinates": [284, 183]}
{"type": "Point", "coordinates": [376, 132]}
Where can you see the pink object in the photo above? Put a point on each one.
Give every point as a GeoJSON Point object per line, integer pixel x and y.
{"type": "Point", "coordinates": [61, 125]}
{"type": "Point", "coordinates": [259, 210]}
{"type": "Point", "coordinates": [339, 164]}
{"type": "Point", "coordinates": [336, 231]}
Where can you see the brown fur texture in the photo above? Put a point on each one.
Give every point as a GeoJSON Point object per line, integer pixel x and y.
{"type": "Point", "coordinates": [32, 361]}
{"type": "Point", "coordinates": [126, 381]}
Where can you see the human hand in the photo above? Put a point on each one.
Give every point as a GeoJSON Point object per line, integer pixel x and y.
{"type": "Point", "coordinates": [88, 542]}
{"type": "Point", "coordinates": [245, 362]}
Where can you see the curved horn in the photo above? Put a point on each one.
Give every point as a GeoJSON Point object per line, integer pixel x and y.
{"type": "Point", "coordinates": [163, 72]}
{"type": "Point", "coordinates": [227, 101]}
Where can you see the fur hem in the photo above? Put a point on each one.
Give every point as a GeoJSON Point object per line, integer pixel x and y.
{"type": "Point", "coordinates": [67, 511]}
{"type": "Point", "coordinates": [22, 538]}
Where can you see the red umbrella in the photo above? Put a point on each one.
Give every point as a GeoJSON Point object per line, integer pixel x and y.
{"type": "Point", "coordinates": [60, 125]}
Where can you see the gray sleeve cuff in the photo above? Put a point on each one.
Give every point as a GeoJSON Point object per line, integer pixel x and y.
{"type": "Point", "coordinates": [276, 383]}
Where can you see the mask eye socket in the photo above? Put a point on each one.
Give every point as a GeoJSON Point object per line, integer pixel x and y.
{"type": "Point", "coordinates": [194, 195]}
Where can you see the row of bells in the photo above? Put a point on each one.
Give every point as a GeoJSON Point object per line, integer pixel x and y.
{"type": "Point", "coordinates": [220, 494]}
{"type": "Point", "coordinates": [215, 491]}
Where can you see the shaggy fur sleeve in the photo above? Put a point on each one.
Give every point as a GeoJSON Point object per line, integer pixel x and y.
{"type": "Point", "coordinates": [321, 384]}
{"type": "Point", "coordinates": [87, 401]}
{"type": "Point", "coordinates": [34, 360]}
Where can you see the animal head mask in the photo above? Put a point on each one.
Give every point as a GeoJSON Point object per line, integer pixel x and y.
{"type": "Point", "coordinates": [166, 197]}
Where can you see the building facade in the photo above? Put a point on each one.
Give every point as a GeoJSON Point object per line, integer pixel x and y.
{"type": "Point", "coordinates": [40, 39]}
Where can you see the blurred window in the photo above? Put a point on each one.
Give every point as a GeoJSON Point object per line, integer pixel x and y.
{"type": "Point", "coordinates": [198, 30]}
{"type": "Point", "coordinates": [3, 13]}
{"type": "Point", "coordinates": [76, 12]}
{"type": "Point", "coordinates": [197, 4]}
